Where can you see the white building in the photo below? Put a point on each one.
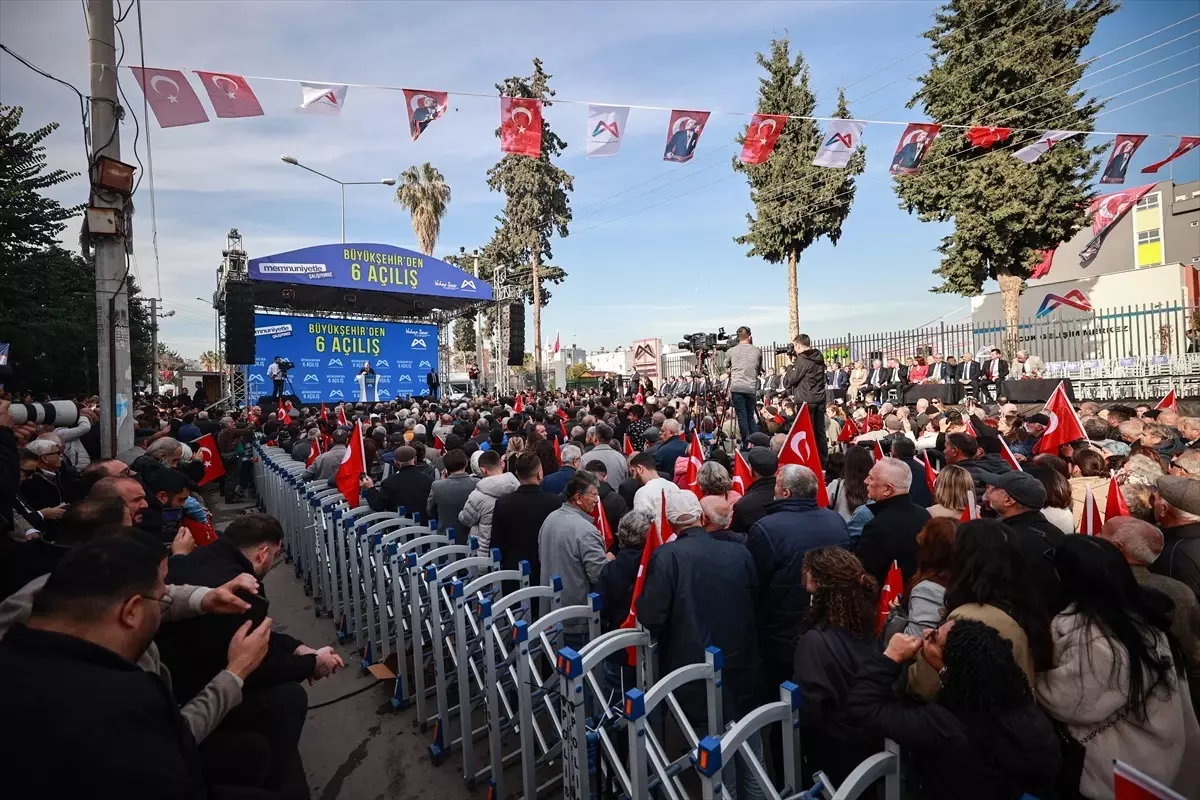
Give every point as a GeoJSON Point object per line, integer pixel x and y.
{"type": "Point", "coordinates": [619, 361]}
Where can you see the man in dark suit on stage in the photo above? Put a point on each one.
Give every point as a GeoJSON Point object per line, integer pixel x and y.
{"type": "Point", "coordinates": [994, 371]}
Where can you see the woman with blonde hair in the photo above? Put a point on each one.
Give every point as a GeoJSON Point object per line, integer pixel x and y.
{"type": "Point", "coordinates": [516, 446]}
{"type": "Point", "coordinates": [858, 379]}
{"type": "Point", "coordinates": [950, 492]}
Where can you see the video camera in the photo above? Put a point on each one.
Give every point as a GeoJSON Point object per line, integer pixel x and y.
{"type": "Point", "coordinates": [286, 365]}
{"type": "Point", "coordinates": [705, 342]}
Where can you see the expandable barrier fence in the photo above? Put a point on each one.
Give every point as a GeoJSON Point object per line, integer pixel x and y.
{"type": "Point", "coordinates": [518, 684]}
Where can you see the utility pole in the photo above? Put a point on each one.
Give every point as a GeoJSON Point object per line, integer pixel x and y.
{"type": "Point", "coordinates": [154, 346]}
{"type": "Point", "coordinates": [479, 335]}
{"type": "Point", "coordinates": [112, 297]}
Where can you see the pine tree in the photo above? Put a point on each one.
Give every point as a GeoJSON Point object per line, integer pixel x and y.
{"type": "Point", "coordinates": [795, 202]}
{"type": "Point", "coordinates": [464, 336]}
{"type": "Point", "coordinates": [1000, 63]}
{"type": "Point", "coordinates": [536, 202]}
{"type": "Point", "coordinates": [29, 221]}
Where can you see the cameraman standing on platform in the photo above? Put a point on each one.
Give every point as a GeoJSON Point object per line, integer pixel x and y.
{"type": "Point", "coordinates": [806, 378]}
{"type": "Point", "coordinates": [744, 362]}
{"type": "Point", "coordinates": [276, 375]}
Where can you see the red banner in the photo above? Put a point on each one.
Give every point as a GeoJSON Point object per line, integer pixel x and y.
{"type": "Point", "coordinates": [170, 96]}
{"type": "Point", "coordinates": [230, 95]}
{"type": "Point", "coordinates": [761, 136]}
{"type": "Point", "coordinates": [1124, 146]}
{"type": "Point", "coordinates": [521, 126]}
{"type": "Point", "coordinates": [913, 146]}
{"type": "Point", "coordinates": [683, 134]}
{"type": "Point", "coordinates": [423, 107]}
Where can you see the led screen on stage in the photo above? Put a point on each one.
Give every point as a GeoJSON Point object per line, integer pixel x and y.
{"type": "Point", "coordinates": [328, 353]}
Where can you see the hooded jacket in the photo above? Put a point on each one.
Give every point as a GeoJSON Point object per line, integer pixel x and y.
{"type": "Point", "coordinates": [476, 514]}
{"type": "Point", "coordinates": [806, 377]}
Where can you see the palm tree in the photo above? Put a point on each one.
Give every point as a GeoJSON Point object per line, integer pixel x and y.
{"type": "Point", "coordinates": [424, 192]}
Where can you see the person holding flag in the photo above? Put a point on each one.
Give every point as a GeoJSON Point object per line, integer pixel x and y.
{"type": "Point", "coordinates": [700, 591]}
{"type": "Point", "coordinates": [891, 534]}
{"type": "Point", "coordinates": [326, 465]}
{"type": "Point", "coordinates": [615, 588]}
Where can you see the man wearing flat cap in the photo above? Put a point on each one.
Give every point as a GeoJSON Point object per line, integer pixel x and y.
{"type": "Point", "coordinates": [1018, 498]}
{"type": "Point", "coordinates": [1177, 512]}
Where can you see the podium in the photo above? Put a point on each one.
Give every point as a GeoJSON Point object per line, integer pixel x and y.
{"type": "Point", "coordinates": [368, 388]}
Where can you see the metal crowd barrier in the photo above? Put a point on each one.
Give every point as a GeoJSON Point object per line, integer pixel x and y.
{"type": "Point", "coordinates": [502, 671]}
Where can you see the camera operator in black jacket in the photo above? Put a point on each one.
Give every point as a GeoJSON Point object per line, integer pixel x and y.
{"type": "Point", "coordinates": [806, 380]}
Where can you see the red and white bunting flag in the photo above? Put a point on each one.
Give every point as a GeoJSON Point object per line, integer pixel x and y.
{"type": "Point", "coordinates": [341, 415]}
{"type": "Point", "coordinates": [842, 137]}
{"type": "Point", "coordinates": [849, 431]}
{"type": "Point", "coordinates": [930, 472]}
{"type": "Point", "coordinates": [230, 95]}
{"type": "Point", "coordinates": [1043, 267]}
{"type": "Point", "coordinates": [314, 450]}
{"type": "Point", "coordinates": [761, 135]}
{"type": "Point", "coordinates": [914, 144]}
{"type": "Point", "coordinates": [654, 540]}
{"type": "Point", "coordinates": [1169, 403]}
{"type": "Point", "coordinates": [1007, 454]}
{"type": "Point", "coordinates": [984, 137]}
{"type": "Point", "coordinates": [972, 510]}
{"type": "Point", "coordinates": [878, 451]}
{"type": "Point", "coordinates": [353, 467]}
{"type": "Point", "coordinates": [1133, 784]}
{"type": "Point", "coordinates": [1106, 210]}
{"type": "Point", "coordinates": [800, 448]}
{"type": "Point", "coordinates": [1064, 426]}
{"type": "Point", "coordinates": [1032, 152]}
{"type": "Point", "coordinates": [1090, 522]}
{"type": "Point", "coordinates": [1124, 146]}
{"type": "Point", "coordinates": [170, 96]}
{"type": "Point", "coordinates": [627, 446]}
{"type": "Point", "coordinates": [892, 589]}
{"type": "Point", "coordinates": [1115, 506]}
{"type": "Point", "coordinates": [742, 477]}
{"type": "Point", "coordinates": [322, 99]}
{"type": "Point", "coordinates": [600, 517]}
{"type": "Point", "coordinates": [683, 134]}
{"type": "Point", "coordinates": [521, 126]}
{"type": "Point", "coordinates": [210, 457]}
{"type": "Point", "coordinates": [695, 457]}
{"type": "Point", "coordinates": [423, 107]}
{"type": "Point", "coordinates": [1186, 145]}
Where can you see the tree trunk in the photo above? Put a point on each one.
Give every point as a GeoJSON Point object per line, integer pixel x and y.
{"type": "Point", "coordinates": [1010, 287]}
{"type": "Point", "coordinates": [793, 295]}
{"type": "Point", "coordinates": [537, 316]}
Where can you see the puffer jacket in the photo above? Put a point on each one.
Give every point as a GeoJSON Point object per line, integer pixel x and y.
{"type": "Point", "coordinates": [477, 513]}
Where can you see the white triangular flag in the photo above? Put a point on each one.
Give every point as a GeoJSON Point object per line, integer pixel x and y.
{"type": "Point", "coordinates": [322, 99]}
{"type": "Point", "coordinates": [1032, 152]}
{"type": "Point", "coordinates": [606, 129]}
{"type": "Point", "coordinates": [838, 144]}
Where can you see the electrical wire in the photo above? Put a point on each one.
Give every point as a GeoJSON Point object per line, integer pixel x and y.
{"type": "Point", "coordinates": [84, 113]}
{"type": "Point", "coordinates": [149, 153]}
{"type": "Point", "coordinates": [346, 696]}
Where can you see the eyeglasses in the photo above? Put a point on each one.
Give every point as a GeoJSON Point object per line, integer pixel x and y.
{"type": "Point", "coordinates": [164, 602]}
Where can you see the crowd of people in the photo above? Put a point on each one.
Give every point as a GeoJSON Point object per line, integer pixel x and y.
{"type": "Point", "coordinates": [1021, 656]}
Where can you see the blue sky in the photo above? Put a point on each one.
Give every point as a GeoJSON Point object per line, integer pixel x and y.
{"type": "Point", "coordinates": [656, 259]}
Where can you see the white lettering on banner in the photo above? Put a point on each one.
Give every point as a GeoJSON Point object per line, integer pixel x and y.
{"type": "Point", "coordinates": [291, 269]}
{"type": "Point", "coordinates": [274, 331]}
{"type": "Point", "coordinates": [448, 285]}
{"type": "Point", "coordinates": [310, 362]}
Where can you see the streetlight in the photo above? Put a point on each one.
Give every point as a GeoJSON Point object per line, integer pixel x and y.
{"type": "Point", "coordinates": [343, 184]}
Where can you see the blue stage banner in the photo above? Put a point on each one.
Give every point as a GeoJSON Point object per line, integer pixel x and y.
{"type": "Point", "coordinates": [328, 354]}
{"type": "Point", "coordinates": [370, 267]}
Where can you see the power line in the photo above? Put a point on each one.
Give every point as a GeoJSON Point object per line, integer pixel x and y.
{"type": "Point", "coordinates": [149, 150]}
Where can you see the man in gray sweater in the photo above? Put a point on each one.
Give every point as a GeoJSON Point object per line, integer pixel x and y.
{"type": "Point", "coordinates": [570, 547]}
{"type": "Point", "coordinates": [744, 362]}
{"type": "Point", "coordinates": [448, 495]}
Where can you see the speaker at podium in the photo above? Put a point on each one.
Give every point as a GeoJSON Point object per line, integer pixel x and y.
{"type": "Point", "coordinates": [368, 387]}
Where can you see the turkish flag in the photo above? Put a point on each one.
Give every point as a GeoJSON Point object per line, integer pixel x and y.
{"type": "Point", "coordinates": [1043, 267]}
{"type": "Point", "coordinates": [1133, 784]}
{"type": "Point", "coordinates": [1186, 145]}
{"type": "Point", "coordinates": [761, 135]}
{"type": "Point", "coordinates": [1090, 522]}
{"type": "Point", "coordinates": [521, 126]}
{"type": "Point", "coordinates": [742, 477]}
{"type": "Point", "coordinates": [984, 137]}
{"type": "Point", "coordinates": [353, 467]}
{"type": "Point", "coordinates": [627, 446]}
{"type": "Point", "coordinates": [640, 399]}
{"type": "Point", "coordinates": [892, 589]}
{"type": "Point", "coordinates": [557, 451]}
{"type": "Point", "coordinates": [282, 411]}
{"type": "Point", "coordinates": [849, 431]}
{"type": "Point", "coordinates": [1008, 456]}
{"type": "Point", "coordinates": [230, 95]}
{"type": "Point", "coordinates": [1168, 403]}
{"type": "Point", "coordinates": [970, 428]}
{"type": "Point", "coordinates": [170, 96]}
{"type": "Point", "coordinates": [602, 527]}
{"type": "Point", "coordinates": [691, 478]}
{"type": "Point", "coordinates": [654, 539]}
{"type": "Point", "coordinates": [210, 456]}
{"type": "Point", "coordinates": [324, 411]}
{"type": "Point", "coordinates": [879, 456]}
{"type": "Point", "coordinates": [972, 510]}
{"type": "Point", "coordinates": [438, 444]}
{"type": "Point", "coordinates": [800, 448]}
{"type": "Point", "coordinates": [313, 452]}
{"type": "Point", "coordinates": [519, 404]}
{"type": "Point", "coordinates": [423, 107]}
{"type": "Point", "coordinates": [1064, 424]}
{"type": "Point", "coordinates": [341, 415]}
{"type": "Point", "coordinates": [202, 532]}
{"type": "Point", "coordinates": [1116, 505]}
{"type": "Point", "coordinates": [930, 472]}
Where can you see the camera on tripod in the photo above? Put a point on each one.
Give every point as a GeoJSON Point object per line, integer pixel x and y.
{"type": "Point", "coordinates": [705, 342]}
{"type": "Point", "coordinates": [286, 365]}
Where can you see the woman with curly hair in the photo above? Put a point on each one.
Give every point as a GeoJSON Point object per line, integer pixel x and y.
{"type": "Point", "coordinates": [839, 637]}
{"type": "Point", "coordinates": [984, 737]}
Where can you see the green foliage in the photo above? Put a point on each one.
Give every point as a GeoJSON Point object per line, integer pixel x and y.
{"type": "Point", "coordinates": [464, 335]}
{"type": "Point", "coordinates": [577, 371]}
{"type": "Point", "coordinates": [425, 194]}
{"type": "Point", "coordinates": [536, 203]}
{"type": "Point", "coordinates": [993, 62]}
{"type": "Point", "coordinates": [48, 294]}
{"type": "Point", "coordinates": [29, 221]}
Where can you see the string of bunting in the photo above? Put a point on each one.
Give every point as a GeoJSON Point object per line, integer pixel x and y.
{"type": "Point", "coordinates": [175, 103]}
